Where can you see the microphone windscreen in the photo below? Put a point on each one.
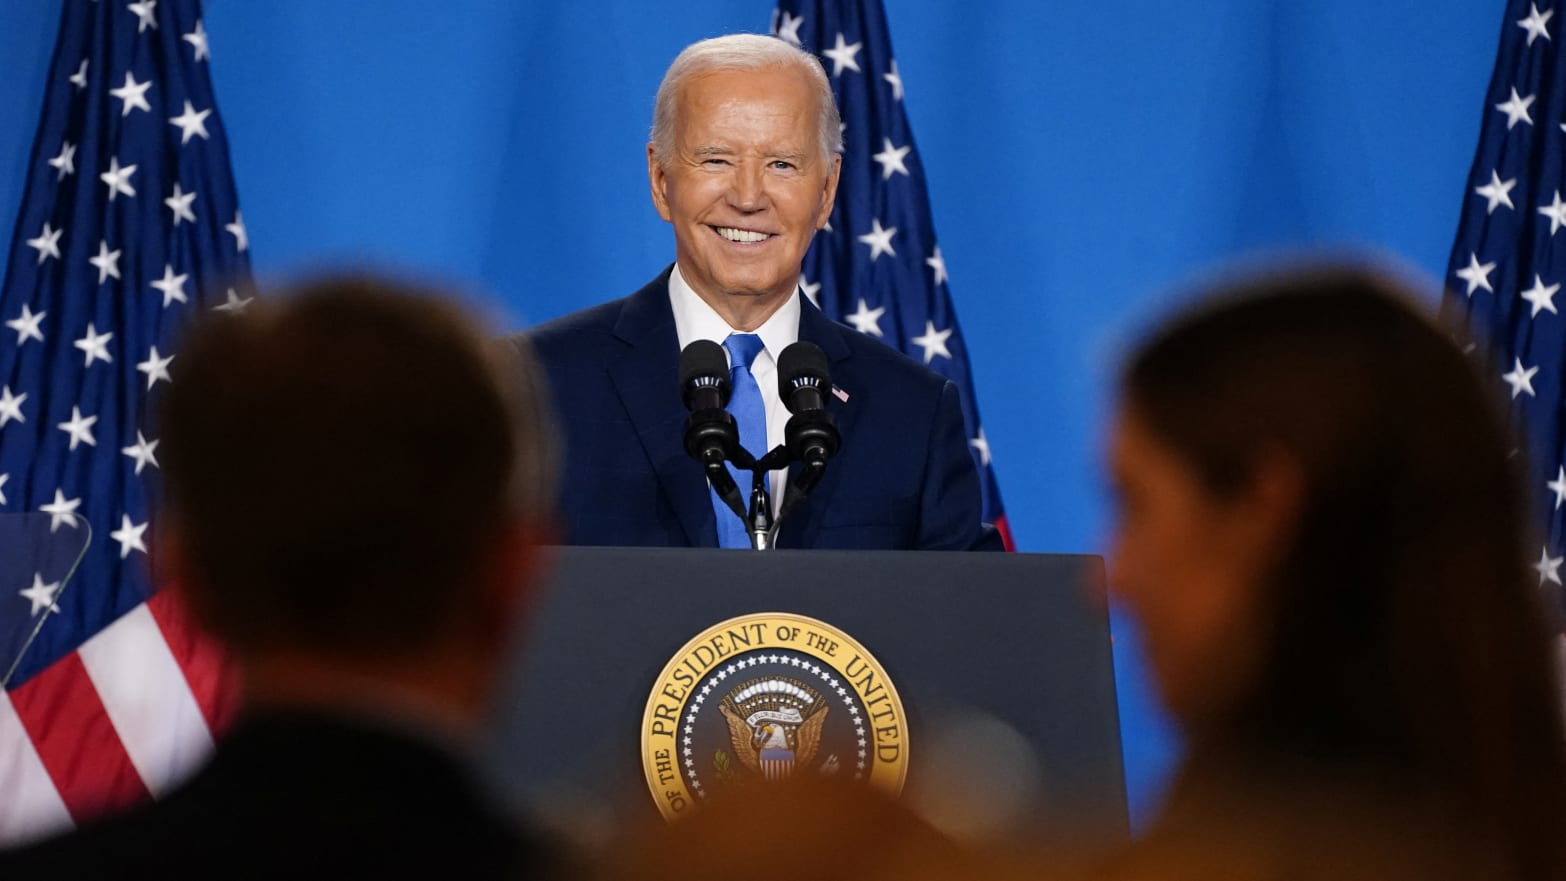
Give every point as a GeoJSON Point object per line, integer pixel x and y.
{"type": "Point", "coordinates": [799, 361]}
{"type": "Point", "coordinates": [702, 358]}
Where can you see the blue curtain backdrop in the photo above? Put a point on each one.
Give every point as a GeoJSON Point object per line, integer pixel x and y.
{"type": "Point", "coordinates": [1082, 158]}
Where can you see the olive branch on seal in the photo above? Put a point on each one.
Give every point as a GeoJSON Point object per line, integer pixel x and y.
{"type": "Point", "coordinates": [722, 767]}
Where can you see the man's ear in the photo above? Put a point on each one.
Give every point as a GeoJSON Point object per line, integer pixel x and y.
{"type": "Point", "coordinates": [829, 197]}
{"type": "Point", "coordinates": [1274, 503]}
{"type": "Point", "coordinates": [658, 180]}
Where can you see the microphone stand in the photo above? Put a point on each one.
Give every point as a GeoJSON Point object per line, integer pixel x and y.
{"type": "Point", "coordinates": [759, 522]}
{"type": "Point", "coordinates": [763, 529]}
{"type": "Point", "coordinates": [762, 525]}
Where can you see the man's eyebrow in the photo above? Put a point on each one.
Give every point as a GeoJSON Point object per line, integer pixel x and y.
{"type": "Point", "coordinates": [712, 151]}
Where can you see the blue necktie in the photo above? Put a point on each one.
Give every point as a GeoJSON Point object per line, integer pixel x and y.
{"type": "Point", "coordinates": [750, 414]}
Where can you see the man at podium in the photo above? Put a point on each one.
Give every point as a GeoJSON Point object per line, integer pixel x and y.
{"type": "Point", "coordinates": [743, 163]}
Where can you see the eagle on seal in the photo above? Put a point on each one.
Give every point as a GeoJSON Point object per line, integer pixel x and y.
{"type": "Point", "coordinates": [769, 734]}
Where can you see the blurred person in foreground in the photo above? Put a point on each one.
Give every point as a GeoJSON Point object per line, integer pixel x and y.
{"type": "Point", "coordinates": [356, 489]}
{"type": "Point", "coordinates": [1323, 539]}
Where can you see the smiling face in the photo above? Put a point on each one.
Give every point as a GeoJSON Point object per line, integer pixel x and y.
{"type": "Point", "coordinates": [745, 186]}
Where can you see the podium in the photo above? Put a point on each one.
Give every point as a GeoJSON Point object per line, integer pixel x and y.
{"type": "Point", "coordinates": [1002, 663]}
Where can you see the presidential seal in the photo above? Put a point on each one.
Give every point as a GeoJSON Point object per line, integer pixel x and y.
{"type": "Point", "coordinates": [768, 697]}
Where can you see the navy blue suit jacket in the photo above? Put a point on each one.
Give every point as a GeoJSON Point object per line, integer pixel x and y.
{"type": "Point", "coordinates": [903, 479]}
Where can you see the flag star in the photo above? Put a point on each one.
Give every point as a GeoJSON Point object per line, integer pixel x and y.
{"type": "Point", "coordinates": [842, 56]}
{"type": "Point", "coordinates": [156, 368]}
{"type": "Point", "coordinates": [179, 203]}
{"type": "Point", "coordinates": [1497, 191]}
{"type": "Point", "coordinates": [96, 345]}
{"type": "Point", "coordinates": [79, 78]}
{"type": "Point", "coordinates": [896, 79]}
{"type": "Point", "coordinates": [867, 320]}
{"type": "Point", "coordinates": [879, 240]}
{"type": "Point", "coordinates": [118, 179]}
{"type": "Point", "coordinates": [1555, 211]}
{"type": "Point", "coordinates": [41, 595]}
{"type": "Point", "coordinates": [1541, 297]}
{"type": "Point", "coordinates": [62, 510]}
{"type": "Point", "coordinates": [129, 536]}
{"type": "Point", "coordinates": [1548, 567]}
{"type": "Point", "coordinates": [191, 123]}
{"type": "Point", "coordinates": [1476, 275]}
{"type": "Point", "coordinates": [891, 159]}
{"type": "Point", "coordinates": [1536, 24]}
{"type": "Point", "coordinates": [47, 244]}
{"type": "Point", "coordinates": [198, 38]}
{"type": "Point", "coordinates": [788, 28]}
{"type": "Point", "coordinates": [26, 326]}
{"type": "Point", "coordinates": [933, 342]}
{"type": "Point", "coordinates": [1558, 486]}
{"type": "Point", "coordinates": [80, 428]}
{"type": "Point", "coordinates": [981, 444]}
{"type": "Point", "coordinates": [1516, 109]}
{"type": "Point", "coordinates": [143, 451]}
{"type": "Point", "coordinates": [938, 263]}
{"type": "Point", "coordinates": [1520, 379]}
{"type": "Point", "coordinates": [172, 286]}
{"type": "Point", "coordinates": [11, 406]}
{"type": "Point", "coordinates": [144, 10]}
{"type": "Point", "coordinates": [813, 291]}
{"type": "Point", "coordinates": [108, 262]}
{"type": "Point", "coordinates": [66, 160]}
{"type": "Point", "coordinates": [234, 303]}
{"type": "Point", "coordinates": [237, 228]}
{"type": "Point", "coordinates": [134, 94]}
{"type": "Point", "coordinates": [3, 479]}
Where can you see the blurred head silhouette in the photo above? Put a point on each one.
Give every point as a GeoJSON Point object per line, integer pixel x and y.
{"type": "Point", "coordinates": [356, 485]}
{"type": "Point", "coordinates": [1321, 534]}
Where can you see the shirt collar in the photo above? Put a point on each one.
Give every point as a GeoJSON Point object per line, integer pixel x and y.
{"type": "Point", "coordinates": [695, 320]}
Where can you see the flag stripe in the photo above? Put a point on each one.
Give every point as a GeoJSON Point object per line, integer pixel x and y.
{"type": "Point", "coordinates": [61, 712]}
{"type": "Point", "coordinates": [145, 695]}
{"type": "Point", "coordinates": [198, 657]}
{"type": "Point", "coordinates": [31, 807]}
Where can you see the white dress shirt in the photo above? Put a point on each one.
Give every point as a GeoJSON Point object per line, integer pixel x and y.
{"type": "Point", "coordinates": [695, 320]}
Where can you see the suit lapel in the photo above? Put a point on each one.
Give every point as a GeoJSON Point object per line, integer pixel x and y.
{"type": "Point", "coordinates": [799, 530]}
{"type": "Point", "coordinates": [646, 378]}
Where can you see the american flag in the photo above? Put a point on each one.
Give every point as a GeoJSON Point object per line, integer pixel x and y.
{"type": "Point", "coordinates": [129, 221]}
{"type": "Point", "coordinates": [877, 266]}
{"type": "Point", "coordinates": [1508, 264]}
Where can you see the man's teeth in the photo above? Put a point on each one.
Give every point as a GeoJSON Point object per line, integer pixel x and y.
{"type": "Point", "coordinates": [741, 235]}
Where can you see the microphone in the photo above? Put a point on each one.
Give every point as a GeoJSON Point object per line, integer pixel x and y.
{"type": "Point", "coordinates": [704, 376]}
{"type": "Point", "coordinates": [803, 381]}
{"type": "Point", "coordinates": [710, 434]}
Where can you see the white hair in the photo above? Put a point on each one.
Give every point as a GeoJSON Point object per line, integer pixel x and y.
{"type": "Point", "coordinates": [742, 52]}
